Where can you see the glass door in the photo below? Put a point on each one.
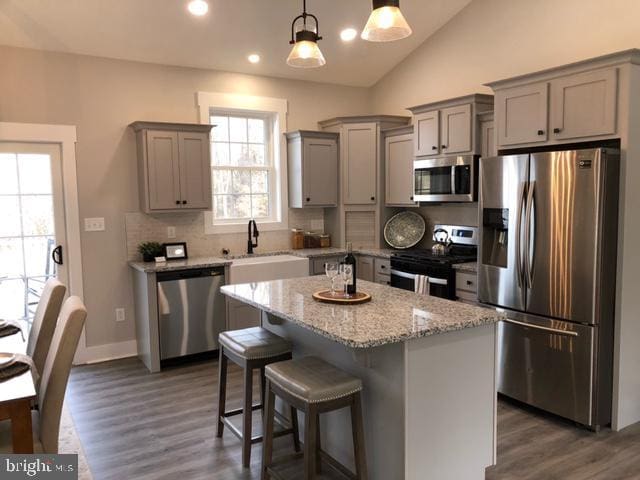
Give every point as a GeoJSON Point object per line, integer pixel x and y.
{"type": "Point", "coordinates": [32, 233]}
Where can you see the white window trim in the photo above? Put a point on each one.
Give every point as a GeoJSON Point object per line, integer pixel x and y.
{"type": "Point", "coordinates": [278, 107]}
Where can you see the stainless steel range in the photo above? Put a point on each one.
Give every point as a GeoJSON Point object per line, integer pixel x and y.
{"type": "Point", "coordinates": [437, 268]}
{"type": "Point", "coordinates": [548, 257]}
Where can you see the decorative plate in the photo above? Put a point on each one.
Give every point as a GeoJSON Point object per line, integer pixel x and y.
{"type": "Point", "coordinates": [6, 359]}
{"type": "Point", "coordinates": [404, 230]}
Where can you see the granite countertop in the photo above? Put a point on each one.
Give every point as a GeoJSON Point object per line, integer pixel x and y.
{"type": "Point", "coordinates": [468, 267]}
{"type": "Point", "coordinates": [393, 315]}
{"type": "Point", "coordinates": [203, 262]}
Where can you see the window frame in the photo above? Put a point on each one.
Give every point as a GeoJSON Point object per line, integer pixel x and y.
{"type": "Point", "coordinates": [275, 110]}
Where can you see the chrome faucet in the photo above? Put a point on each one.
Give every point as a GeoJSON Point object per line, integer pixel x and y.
{"type": "Point", "coordinates": [250, 245]}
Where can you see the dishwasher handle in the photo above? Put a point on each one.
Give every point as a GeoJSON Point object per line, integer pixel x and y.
{"type": "Point", "coordinates": [189, 273]}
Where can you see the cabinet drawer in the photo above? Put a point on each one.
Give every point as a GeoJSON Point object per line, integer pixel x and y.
{"type": "Point", "coordinates": [469, 297]}
{"type": "Point", "coordinates": [383, 266]}
{"type": "Point", "coordinates": [317, 264]}
{"type": "Point", "coordinates": [467, 282]}
{"type": "Point", "coordinates": [383, 279]}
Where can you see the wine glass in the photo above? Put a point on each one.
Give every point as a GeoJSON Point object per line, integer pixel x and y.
{"type": "Point", "coordinates": [346, 272]}
{"type": "Point", "coordinates": [331, 270]}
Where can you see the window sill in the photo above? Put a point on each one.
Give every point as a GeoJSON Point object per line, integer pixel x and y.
{"type": "Point", "coordinates": [217, 229]}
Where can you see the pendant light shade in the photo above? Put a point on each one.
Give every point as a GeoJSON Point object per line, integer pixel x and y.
{"type": "Point", "coordinates": [386, 22]}
{"type": "Point", "coordinates": [305, 52]}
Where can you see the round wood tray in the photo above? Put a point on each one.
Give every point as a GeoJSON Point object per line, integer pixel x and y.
{"type": "Point", "coordinates": [339, 298]}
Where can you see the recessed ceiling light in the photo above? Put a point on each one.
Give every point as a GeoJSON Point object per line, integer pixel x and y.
{"type": "Point", "coordinates": [348, 34]}
{"type": "Point", "coordinates": [198, 7]}
{"type": "Point", "coordinates": [253, 58]}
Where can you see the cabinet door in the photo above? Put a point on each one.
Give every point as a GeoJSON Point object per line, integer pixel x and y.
{"type": "Point", "coordinates": [360, 165]}
{"type": "Point", "coordinates": [426, 139]}
{"type": "Point", "coordinates": [365, 270]}
{"type": "Point", "coordinates": [584, 105]}
{"type": "Point", "coordinates": [487, 139]}
{"type": "Point", "coordinates": [399, 170]}
{"type": "Point", "coordinates": [455, 129]}
{"type": "Point", "coordinates": [320, 172]}
{"type": "Point", "coordinates": [163, 170]}
{"type": "Point", "coordinates": [522, 114]}
{"type": "Point", "coordinates": [195, 170]}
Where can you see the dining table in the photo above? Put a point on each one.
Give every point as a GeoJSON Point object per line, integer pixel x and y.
{"type": "Point", "coordinates": [16, 397]}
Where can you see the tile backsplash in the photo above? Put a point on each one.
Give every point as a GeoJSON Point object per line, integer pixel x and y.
{"type": "Point", "coordinates": [189, 227]}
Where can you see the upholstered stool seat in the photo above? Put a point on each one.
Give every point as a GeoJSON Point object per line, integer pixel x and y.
{"type": "Point", "coordinates": [254, 343]}
{"type": "Point", "coordinates": [312, 380]}
{"type": "Point", "coordinates": [251, 348]}
{"type": "Point", "coordinates": [313, 386]}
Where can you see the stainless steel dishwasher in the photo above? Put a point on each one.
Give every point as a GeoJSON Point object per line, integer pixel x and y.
{"type": "Point", "coordinates": [191, 311]}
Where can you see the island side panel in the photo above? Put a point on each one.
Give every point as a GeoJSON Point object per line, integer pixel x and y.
{"type": "Point", "coordinates": [450, 404]}
{"type": "Point", "coordinates": [146, 310]}
{"type": "Point", "coordinates": [381, 371]}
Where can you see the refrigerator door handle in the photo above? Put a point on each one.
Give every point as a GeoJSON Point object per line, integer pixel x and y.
{"type": "Point", "coordinates": [529, 236]}
{"type": "Point", "coordinates": [519, 209]}
{"type": "Point", "coordinates": [540, 327]}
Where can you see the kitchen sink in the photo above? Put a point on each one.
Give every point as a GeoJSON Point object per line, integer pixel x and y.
{"type": "Point", "coordinates": [267, 267]}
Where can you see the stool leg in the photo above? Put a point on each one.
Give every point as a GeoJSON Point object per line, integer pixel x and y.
{"type": "Point", "coordinates": [318, 444]}
{"type": "Point", "coordinates": [267, 434]}
{"type": "Point", "coordinates": [358, 437]}
{"type": "Point", "coordinates": [310, 450]}
{"type": "Point", "coordinates": [247, 414]}
{"type": "Point", "coordinates": [294, 427]}
{"type": "Point", "coordinates": [222, 390]}
{"type": "Point", "coordinates": [262, 387]}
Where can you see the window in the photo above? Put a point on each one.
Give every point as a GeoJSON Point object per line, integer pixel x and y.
{"type": "Point", "coordinates": [248, 161]}
{"type": "Point", "coordinates": [242, 167]}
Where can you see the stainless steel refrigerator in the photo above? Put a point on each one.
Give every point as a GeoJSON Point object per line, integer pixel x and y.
{"type": "Point", "coordinates": [548, 258]}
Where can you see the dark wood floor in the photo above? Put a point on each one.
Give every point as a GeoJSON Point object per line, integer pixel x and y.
{"type": "Point", "coordinates": [135, 425]}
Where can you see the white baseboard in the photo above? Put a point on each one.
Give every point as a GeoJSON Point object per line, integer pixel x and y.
{"type": "Point", "coordinates": [103, 353]}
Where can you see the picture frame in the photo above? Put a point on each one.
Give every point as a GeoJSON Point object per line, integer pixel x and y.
{"type": "Point", "coordinates": [175, 251]}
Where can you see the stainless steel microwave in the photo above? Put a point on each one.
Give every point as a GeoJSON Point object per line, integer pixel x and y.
{"type": "Point", "coordinates": [447, 179]}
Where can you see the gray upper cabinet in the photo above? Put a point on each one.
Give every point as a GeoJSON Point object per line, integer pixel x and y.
{"type": "Point", "coordinates": [313, 169]}
{"type": "Point", "coordinates": [449, 127]}
{"type": "Point", "coordinates": [521, 114]}
{"type": "Point", "coordinates": [360, 166]}
{"type": "Point", "coordinates": [427, 133]}
{"type": "Point", "coordinates": [174, 172]}
{"type": "Point", "coordinates": [398, 166]}
{"type": "Point", "coordinates": [487, 135]}
{"type": "Point", "coordinates": [584, 105]}
{"type": "Point", "coordinates": [456, 125]}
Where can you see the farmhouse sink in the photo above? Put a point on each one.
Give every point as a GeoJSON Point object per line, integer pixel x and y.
{"type": "Point", "coordinates": [269, 267]}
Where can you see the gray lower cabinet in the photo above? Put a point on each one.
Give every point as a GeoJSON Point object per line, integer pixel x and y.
{"type": "Point", "coordinates": [365, 268]}
{"type": "Point", "coordinates": [174, 172]}
{"type": "Point", "coordinates": [467, 287]}
{"type": "Point", "coordinates": [313, 169]}
{"type": "Point", "coordinates": [316, 265]}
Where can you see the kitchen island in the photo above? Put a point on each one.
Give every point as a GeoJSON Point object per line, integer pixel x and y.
{"type": "Point", "coordinates": [427, 365]}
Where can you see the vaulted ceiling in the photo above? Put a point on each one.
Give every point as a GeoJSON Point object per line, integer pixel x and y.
{"type": "Point", "coordinates": [162, 31]}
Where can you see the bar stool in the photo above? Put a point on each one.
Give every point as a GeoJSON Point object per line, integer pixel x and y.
{"type": "Point", "coordinates": [314, 387]}
{"type": "Point", "coordinates": [251, 348]}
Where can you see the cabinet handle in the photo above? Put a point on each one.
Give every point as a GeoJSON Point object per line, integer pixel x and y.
{"type": "Point", "coordinates": [557, 130]}
{"type": "Point", "coordinates": [373, 198]}
{"type": "Point", "coordinates": [540, 132]}
{"type": "Point", "coordinates": [184, 202]}
{"type": "Point", "coordinates": [411, 197]}
{"type": "Point", "coordinates": [434, 148]}
{"type": "Point", "coordinates": [469, 282]}
{"type": "Point", "coordinates": [308, 199]}
{"type": "Point", "coordinates": [177, 202]}
{"type": "Point", "coordinates": [444, 146]}
{"type": "Point", "coordinates": [383, 266]}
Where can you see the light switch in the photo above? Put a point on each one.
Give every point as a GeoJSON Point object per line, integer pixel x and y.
{"type": "Point", "coordinates": [171, 232]}
{"type": "Point", "coordinates": [95, 224]}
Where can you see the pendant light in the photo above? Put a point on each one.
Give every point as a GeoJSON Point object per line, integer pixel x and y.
{"type": "Point", "coordinates": [386, 22]}
{"type": "Point", "coordinates": [305, 52]}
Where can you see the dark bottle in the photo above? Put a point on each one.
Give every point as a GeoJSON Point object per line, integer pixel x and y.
{"type": "Point", "coordinates": [351, 260]}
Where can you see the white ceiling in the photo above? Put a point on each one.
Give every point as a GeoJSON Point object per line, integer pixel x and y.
{"type": "Point", "coordinates": [162, 31]}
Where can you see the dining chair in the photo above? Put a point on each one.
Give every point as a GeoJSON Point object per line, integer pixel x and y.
{"type": "Point", "coordinates": [44, 322]}
{"type": "Point", "coordinates": [53, 384]}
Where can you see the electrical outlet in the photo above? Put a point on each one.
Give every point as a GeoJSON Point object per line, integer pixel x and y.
{"type": "Point", "coordinates": [120, 317]}
{"type": "Point", "coordinates": [171, 232]}
{"type": "Point", "coordinates": [94, 224]}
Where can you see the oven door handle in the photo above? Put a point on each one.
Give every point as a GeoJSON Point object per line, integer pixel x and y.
{"type": "Point", "coordinates": [412, 276]}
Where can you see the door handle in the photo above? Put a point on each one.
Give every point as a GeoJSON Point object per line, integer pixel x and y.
{"type": "Point", "coordinates": [529, 218]}
{"type": "Point", "coordinates": [540, 327]}
{"type": "Point", "coordinates": [520, 208]}
{"type": "Point", "coordinates": [56, 255]}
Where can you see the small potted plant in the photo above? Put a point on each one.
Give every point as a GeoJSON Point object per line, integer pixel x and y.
{"type": "Point", "coordinates": [150, 250]}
